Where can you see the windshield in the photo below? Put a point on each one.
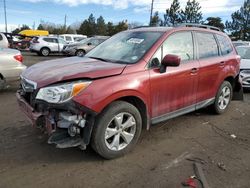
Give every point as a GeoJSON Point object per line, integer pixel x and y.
{"type": "Point", "coordinates": [83, 41]}
{"type": "Point", "coordinates": [125, 47]}
{"type": "Point", "coordinates": [244, 52]}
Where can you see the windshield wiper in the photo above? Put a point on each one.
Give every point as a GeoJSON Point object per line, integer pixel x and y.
{"type": "Point", "coordinates": [99, 58]}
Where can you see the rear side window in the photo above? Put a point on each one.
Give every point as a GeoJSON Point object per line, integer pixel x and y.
{"type": "Point", "coordinates": [180, 44]}
{"type": "Point", "coordinates": [207, 45]}
{"type": "Point", "coordinates": [48, 39]}
{"type": "Point", "coordinates": [225, 45]}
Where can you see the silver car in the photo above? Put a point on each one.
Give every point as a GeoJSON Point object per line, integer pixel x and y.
{"type": "Point", "coordinates": [84, 46]}
{"type": "Point", "coordinates": [46, 45]}
{"type": "Point", "coordinates": [10, 66]}
{"type": "Point", "coordinates": [244, 52]}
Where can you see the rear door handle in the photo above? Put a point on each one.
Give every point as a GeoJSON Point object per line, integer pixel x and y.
{"type": "Point", "coordinates": [222, 63]}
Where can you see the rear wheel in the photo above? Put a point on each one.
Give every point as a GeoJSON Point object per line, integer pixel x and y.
{"type": "Point", "coordinates": [116, 130]}
{"type": "Point", "coordinates": [223, 98]}
{"type": "Point", "coordinates": [80, 53]}
{"type": "Point", "coordinates": [44, 51]}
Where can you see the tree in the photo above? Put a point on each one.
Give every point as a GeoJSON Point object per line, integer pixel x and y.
{"type": "Point", "coordinates": [101, 26]}
{"type": "Point", "coordinates": [192, 12]}
{"type": "Point", "coordinates": [155, 21]}
{"type": "Point", "coordinates": [121, 26]}
{"type": "Point", "coordinates": [216, 22]}
{"type": "Point", "coordinates": [70, 30]}
{"type": "Point", "coordinates": [18, 30]}
{"type": "Point", "coordinates": [239, 27]}
{"type": "Point", "coordinates": [172, 16]}
{"type": "Point", "coordinates": [40, 27]}
{"type": "Point", "coordinates": [110, 29]}
{"type": "Point", "coordinates": [88, 27]}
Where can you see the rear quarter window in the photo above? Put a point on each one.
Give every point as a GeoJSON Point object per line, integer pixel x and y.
{"type": "Point", "coordinates": [207, 45]}
{"type": "Point", "coordinates": [225, 44]}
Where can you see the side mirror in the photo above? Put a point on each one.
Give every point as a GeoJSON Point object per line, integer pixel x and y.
{"type": "Point", "coordinates": [89, 44]}
{"type": "Point", "coordinates": [169, 61]}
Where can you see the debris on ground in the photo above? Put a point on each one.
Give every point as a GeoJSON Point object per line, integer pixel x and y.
{"type": "Point", "coordinates": [233, 136]}
{"type": "Point", "coordinates": [221, 166]}
{"type": "Point", "coordinates": [190, 182]}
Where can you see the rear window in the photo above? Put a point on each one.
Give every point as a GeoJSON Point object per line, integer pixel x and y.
{"type": "Point", "coordinates": [225, 45]}
{"type": "Point", "coordinates": [67, 38]}
{"type": "Point", "coordinates": [207, 45]}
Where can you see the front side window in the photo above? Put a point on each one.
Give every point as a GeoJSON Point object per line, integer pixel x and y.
{"type": "Point", "coordinates": [125, 47]}
{"type": "Point", "coordinates": [207, 45]}
{"type": "Point", "coordinates": [180, 44]}
{"type": "Point", "coordinates": [225, 45]}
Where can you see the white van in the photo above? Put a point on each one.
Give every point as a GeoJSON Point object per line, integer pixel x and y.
{"type": "Point", "coordinates": [71, 38]}
{"type": "Point", "coordinates": [3, 41]}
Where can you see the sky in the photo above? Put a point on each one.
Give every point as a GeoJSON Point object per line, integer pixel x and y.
{"type": "Point", "coordinates": [31, 12]}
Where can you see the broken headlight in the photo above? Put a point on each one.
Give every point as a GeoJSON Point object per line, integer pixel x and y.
{"type": "Point", "coordinates": [61, 93]}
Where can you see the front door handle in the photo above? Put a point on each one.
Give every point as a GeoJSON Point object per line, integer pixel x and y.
{"type": "Point", "coordinates": [194, 70]}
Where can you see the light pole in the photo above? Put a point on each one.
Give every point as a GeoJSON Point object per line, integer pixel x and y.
{"type": "Point", "coordinates": [151, 12]}
{"type": "Point", "coordinates": [5, 16]}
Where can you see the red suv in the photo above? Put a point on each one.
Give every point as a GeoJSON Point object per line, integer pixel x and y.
{"type": "Point", "coordinates": [134, 79]}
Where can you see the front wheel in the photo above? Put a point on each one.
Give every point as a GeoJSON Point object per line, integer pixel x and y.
{"type": "Point", "coordinates": [223, 98]}
{"type": "Point", "coordinates": [116, 130]}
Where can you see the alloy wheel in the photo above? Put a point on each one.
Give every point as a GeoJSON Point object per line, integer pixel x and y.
{"type": "Point", "coordinates": [120, 131]}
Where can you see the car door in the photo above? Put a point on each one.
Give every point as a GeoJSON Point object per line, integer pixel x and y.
{"type": "Point", "coordinates": [62, 43]}
{"type": "Point", "coordinates": [210, 66]}
{"type": "Point", "coordinates": [174, 92]}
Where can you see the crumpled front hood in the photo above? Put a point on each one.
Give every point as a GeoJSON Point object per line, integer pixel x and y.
{"type": "Point", "coordinates": [49, 72]}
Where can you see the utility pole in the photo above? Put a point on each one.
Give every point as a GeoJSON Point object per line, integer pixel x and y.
{"type": "Point", "coordinates": [65, 20]}
{"type": "Point", "coordinates": [5, 16]}
{"type": "Point", "coordinates": [151, 12]}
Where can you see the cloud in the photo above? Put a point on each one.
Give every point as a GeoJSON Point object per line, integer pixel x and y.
{"type": "Point", "coordinates": [208, 6]}
{"type": "Point", "coordinates": [11, 27]}
{"type": "Point", "coordinates": [18, 11]}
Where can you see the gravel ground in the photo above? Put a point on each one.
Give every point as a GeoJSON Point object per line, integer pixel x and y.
{"type": "Point", "coordinates": [159, 159]}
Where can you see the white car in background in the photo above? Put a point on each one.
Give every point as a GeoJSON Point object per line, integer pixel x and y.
{"type": "Point", "coordinates": [244, 52]}
{"type": "Point", "coordinates": [4, 43]}
{"type": "Point", "coordinates": [11, 66]}
{"type": "Point", "coordinates": [72, 38]}
{"type": "Point", "coordinates": [46, 45]}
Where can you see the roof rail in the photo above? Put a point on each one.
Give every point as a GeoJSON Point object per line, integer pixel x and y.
{"type": "Point", "coordinates": [199, 26]}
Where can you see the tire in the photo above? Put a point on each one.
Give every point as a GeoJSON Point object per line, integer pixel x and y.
{"type": "Point", "coordinates": [80, 53]}
{"type": "Point", "coordinates": [45, 52]}
{"type": "Point", "coordinates": [106, 133]}
{"type": "Point", "coordinates": [223, 98]}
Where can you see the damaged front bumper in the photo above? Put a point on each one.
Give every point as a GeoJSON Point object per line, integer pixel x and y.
{"type": "Point", "coordinates": [68, 125]}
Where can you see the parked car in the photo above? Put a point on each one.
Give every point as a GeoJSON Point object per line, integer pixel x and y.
{"type": "Point", "coordinates": [71, 38]}
{"type": "Point", "coordinates": [3, 41]}
{"type": "Point", "coordinates": [84, 46]}
{"type": "Point", "coordinates": [134, 79]}
{"type": "Point", "coordinates": [241, 43]}
{"type": "Point", "coordinates": [11, 66]}
{"type": "Point", "coordinates": [46, 45]}
{"type": "Point", "coordinates": [244, 52]}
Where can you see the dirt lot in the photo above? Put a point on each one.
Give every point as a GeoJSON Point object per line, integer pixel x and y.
{"type": "Point", "coordinates": [159, 160]}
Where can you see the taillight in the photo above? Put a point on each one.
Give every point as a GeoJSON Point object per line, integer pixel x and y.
{"type": "Point", "coordinates": [19, 58]}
